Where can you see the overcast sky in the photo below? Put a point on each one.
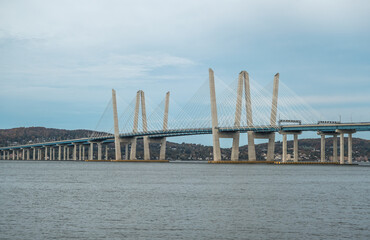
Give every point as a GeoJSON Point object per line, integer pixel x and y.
{"type": "Point", "coordinates": [59, 60]}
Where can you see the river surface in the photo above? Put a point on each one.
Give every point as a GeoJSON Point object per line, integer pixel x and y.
{"type": "Point", "coordinates": [92, 200]}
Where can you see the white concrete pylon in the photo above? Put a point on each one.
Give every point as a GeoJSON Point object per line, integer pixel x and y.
{"type": "Point", "coordinates": [162, 153]}
{"type": "Point", "coordinates": [274, 100]}
{"type": "Point", "coordinates": [215, 134]}
{"type": "Point", "coordinates": [136, 121]}
{"type": "Point", "coordinates": [145, 127]}
{"type": "Point", "coordinates": [117, 141]}
{"type": "Point", "coordinates": [248, 107]}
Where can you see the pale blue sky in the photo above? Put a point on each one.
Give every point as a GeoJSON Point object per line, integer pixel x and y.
{"type": "Point", "coordinates": [59, 60]}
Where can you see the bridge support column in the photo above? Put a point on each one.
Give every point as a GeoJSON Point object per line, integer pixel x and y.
{"type": "Point", "coordinates": [59, 152]}
{"type": "Point", "coordinates": [8, 152]}
{"type": "Point", "coordinates": [28, 154]}
{"type": "Point", "coordinates": [295, 148]}
{"type": "Point", "coordinates": [126, 151]}
{"type": "Point", "coordinates": [100, 151]}
{"type": "Point", "coordinates": [106, 152]}
{"type": "Point", "coordinates": [91, 151]}
{"type": "Point", "coordinates": [83, 153]}
{"type": "Point", "coordinates": [270, 148]}
{"type": "Point", "coordinates": [215, 133]}
{"type": "Point", "coordinates": [341, 138]}
{"type": "Point", "coordinates": [74, 152]}
{"type": "Point", "coordinates": [18, 154]}
{"type": "Point", "coordinates": [284, 153]}
{"type": "Point", "coordinates": [235, 147]}
{"type": "Point", "coordinates": [146, 148]}
{"type": "Point", "coordinates": [23, 154]}
{"type": "Point", "coordinates": [342, 132]}
{"type": "Point", "coordinates": [322, 147]}
{"type": "Point", "coordinates": [252, 147]}
{"type": "Point", "coordinates": [335, 148]}
{"type": "Point", "coordinates": [46, 153]}
{"type": "Point", "coordinates": [13, 155]}
{"type": "Point", "coordinates": [34, 154]}
{"type": "Point", "coordinates": [133, 149]}
{"type": "Point", "coordinates": [117, 141]}
{"type": "Point", "coordinates": [162, 153]}
{"type": "Point", "coordinates": [271, 143]}
{"type": "Point", "coordinates": [68, 154]}
{"type": "Point", "coordinates": [350, 148]}
{"type": "Point", "coordinates": [64, 152]}
{"type": "Point", "coordinates": [80, 152]}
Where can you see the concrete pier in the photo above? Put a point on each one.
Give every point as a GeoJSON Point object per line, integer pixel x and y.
{"type": "Point", "coordinates": [322, 148]}
{"type": "Point", "coordinates": [83, 152]}
{"type": "Point", "coordinates": [91, 151]}
{"type": "Point", "coordinates": [341, 133]}
{"type": "Point", "coordinates": [106, 152]}
{"type": "Point", "coordinates": [80, 152]}
{"type": "Point", "coordinates": [295, 145]}
{"type": "Point", "coordinates": [335, 148]}
{"type": "Point", "coordinates": [284, 155]}
{"type": "Point", "coordinates": [295, 148]}
{"type": "Point", "coordinates": [74, 152]}
{"type": "Point", "coordinates": [100, 151]}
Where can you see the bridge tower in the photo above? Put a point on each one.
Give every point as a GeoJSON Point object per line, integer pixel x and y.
{"type": "Point", "coordinates": [242, 80]}
{"type": "Point", "coordinates": [140, 102]}
{"type": "Point", "coordinates": [117, 141]}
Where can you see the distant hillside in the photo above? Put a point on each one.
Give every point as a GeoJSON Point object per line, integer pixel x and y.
{"type": "Point", "coordinates": [309, 149]}
{"type": "Point", "coordinates": [22, 135]}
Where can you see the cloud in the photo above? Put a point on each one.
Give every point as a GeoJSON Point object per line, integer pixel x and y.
{"type": "Point", "coordinates": [91, 23]}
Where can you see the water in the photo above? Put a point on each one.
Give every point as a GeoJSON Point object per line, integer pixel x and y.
{"type": "Point", "coordinates": [66, 200]}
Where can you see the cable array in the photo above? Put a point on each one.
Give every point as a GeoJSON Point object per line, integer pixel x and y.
{"type": "Point", "coordinates": [196, 112]}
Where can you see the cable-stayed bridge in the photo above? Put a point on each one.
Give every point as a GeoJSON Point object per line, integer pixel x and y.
{"type": "Point", "coordinates": [242, 107]}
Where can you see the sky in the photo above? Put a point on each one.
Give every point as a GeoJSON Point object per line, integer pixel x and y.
{"type": "Point", "coordinates": [59, 60]}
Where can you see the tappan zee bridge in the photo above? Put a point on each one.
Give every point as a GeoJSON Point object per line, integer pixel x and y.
{"type": "Point", "coordinates": [267, 112]}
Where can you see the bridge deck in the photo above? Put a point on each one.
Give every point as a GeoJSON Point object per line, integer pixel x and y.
{"type": "Point", "coordinates": [201, 131]}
